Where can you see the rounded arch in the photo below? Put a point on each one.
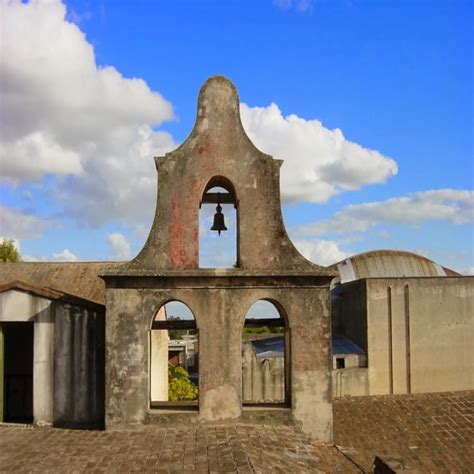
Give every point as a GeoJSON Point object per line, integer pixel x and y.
{"type": "Point", "coordinates": [180, 301]}
{"type": "Point", "coordinates": [266, 365]}
{"type": "Point", "coordinates": [173, 355]}
{"type": "Point", "coordinates": [219, 224]}
{"type": "Point", "coordinates": [275, 303]}
{"type": "Point", "coordinates": [219, 181]}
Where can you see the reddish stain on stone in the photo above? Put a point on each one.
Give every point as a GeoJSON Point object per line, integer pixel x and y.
{"type": "Point", "coordinates": [177, 255]}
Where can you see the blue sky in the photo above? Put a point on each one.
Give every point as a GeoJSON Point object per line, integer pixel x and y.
{"type": "Point", "coordinates": [368, 102]}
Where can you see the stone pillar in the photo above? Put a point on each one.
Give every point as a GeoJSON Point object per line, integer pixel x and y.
{"type": "Point", "coordinates": [128, 321]}
{"type": "Point", "coordinates": [311, 352]}
{"type": "Point", "coordinates": [159, 366]}
{"type": "Point", "coordinates": [220, 371]}
{"type": "Point", "coordinates": [43, 367]}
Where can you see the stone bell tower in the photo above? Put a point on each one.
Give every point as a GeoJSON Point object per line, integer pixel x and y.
{"type": "Point", "coordinates": [218, 153]}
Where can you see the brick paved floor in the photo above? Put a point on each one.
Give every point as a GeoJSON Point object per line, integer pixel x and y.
{"type": "Point", "coordinates": [212, 449]}
{"type": "Point", "coordinates": [429, 433]}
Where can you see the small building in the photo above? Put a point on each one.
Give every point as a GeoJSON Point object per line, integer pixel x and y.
{"type": "Point", "coordinates": [413, 318]}
{"type": "Point", "coordinates": [263, 369]}
{"type": "Point", "coordinates": [52, 347]}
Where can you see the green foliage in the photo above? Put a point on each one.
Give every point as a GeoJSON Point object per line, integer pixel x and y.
{"type": "Point", "coordinates": [264, 330]}
{"type": "Point", "coordinates": [8, 251]}
{"type": "Point", "coordinates": [180, 388]}
{"type": "Point", "coordinates": [175, 333]}
{"type": "Point", "coordinates": [257, 330]}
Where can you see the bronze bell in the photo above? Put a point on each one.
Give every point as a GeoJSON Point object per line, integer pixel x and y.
{"type": "Point", "coordinates": [219, 223]}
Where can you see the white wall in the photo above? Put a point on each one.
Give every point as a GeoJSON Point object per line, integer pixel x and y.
{"type": "Point", "coordinates": [159, 361]}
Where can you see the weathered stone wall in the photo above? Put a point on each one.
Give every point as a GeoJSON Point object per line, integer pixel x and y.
{"type": "Point", "coordinates": [219, 306]}
{"type": "Point", "coordinates": [219, 147]}
{"type": "Point", "coordinates": [219, 153]}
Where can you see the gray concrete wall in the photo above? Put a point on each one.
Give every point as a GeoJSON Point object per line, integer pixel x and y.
{"type": "Point", "coordinates": [219, 306]}
{"type": "Point", "coordinates": [263, 379]}
{"type": "Point", "coordinates": [420, 337]}
{"type": "Point", "coordinates": [79, 367]}
{"type": "Point", "coordinates": [351, 382]}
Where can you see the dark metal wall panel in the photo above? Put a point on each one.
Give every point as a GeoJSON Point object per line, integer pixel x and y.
{"type": "Point", "coordinates": [79, 367]}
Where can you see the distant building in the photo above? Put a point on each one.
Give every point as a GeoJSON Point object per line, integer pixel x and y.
{"type": "Point", "coordinates": [413, 318]}
{"type": "Point", "coordinates": [263, 367]}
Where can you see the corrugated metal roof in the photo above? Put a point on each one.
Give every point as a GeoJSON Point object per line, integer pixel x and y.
{"type": "Point", "coordinates": [274, 346]}
{"type": "Point", "coordinates": [270, 347]}
{"type": "Point", "coordinates": [342, 345]}
{"type": "Point", "coordinates": [76, 278]}
{"type": "Point", "coordinates": [389, 264]}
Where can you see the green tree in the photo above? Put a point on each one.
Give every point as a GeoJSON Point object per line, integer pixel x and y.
{"type": "Point", "coordinates": [180, 388]}
{"type": "Point", "coordinates": [8, 251]}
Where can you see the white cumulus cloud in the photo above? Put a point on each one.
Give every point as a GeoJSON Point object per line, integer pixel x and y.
{"type": "Point", "coordinates": [468, 271]}
{"type": "Point", "coordinates": [18, 225]}
{"type": "Point", "coordinates": [120, 246]}
{"type": "Point", "coordinates": [456, 206]}
{"type": "Point", "coordinates": [93, 130]}
{"type": "Point", "coordinates": [322, 252]}
{"type": "Point", "coordinates": [64, 256]}
{"type": "Point", "coordinates": [64, 115]}
{"type": "Point", "coordinates": [319, 163]}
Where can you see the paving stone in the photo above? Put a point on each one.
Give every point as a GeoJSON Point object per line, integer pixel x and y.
{"type": "Point", "coordinates": [428, 432]}
{"type": "Point", "coordinates": [390, 426]}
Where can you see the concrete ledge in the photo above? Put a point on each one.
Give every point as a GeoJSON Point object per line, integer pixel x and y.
{"type": "Point", "coordinates": [171, 416]}
{"type": "Point", "coordinates": [267, 415]}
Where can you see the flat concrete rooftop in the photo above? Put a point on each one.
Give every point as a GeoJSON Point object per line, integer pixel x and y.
{"type": "Point", "coordinates": [427, 432]}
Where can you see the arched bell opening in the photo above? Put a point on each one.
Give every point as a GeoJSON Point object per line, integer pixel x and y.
{"type": "Point", "coordinates": [218, 225]}
{"type": "Point", "coordinates": [174, 358]}
{"type": "Point", "coordinates": [265, 355]}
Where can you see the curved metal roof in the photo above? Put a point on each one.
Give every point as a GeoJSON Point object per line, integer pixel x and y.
{"type": "Point", "coordinates": [389, 264]}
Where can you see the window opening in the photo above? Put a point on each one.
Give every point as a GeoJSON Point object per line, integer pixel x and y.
{"type": "Point", "coordinates": [265, 356]}
{"type": "Point", "coordinates": [340, 363]}
{"type": "Point", "coordinates": [218, 226]}
{"type": "Point", "coordinates": [174, 358]}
